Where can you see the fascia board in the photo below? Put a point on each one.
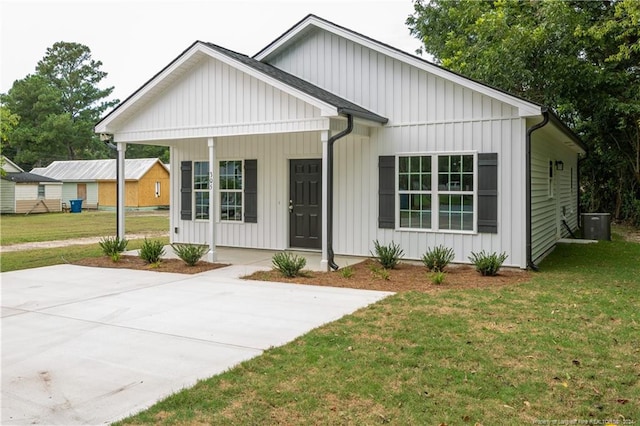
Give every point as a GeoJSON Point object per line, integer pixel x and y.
{"type": "Point", "coordinates": [103, 125]}
{"type": "Point", "coordinates": [291, 34]}
{"type": "Point", "coordinates": [11, 163]}
{"type": "Point", "coordinates": [525, 108]}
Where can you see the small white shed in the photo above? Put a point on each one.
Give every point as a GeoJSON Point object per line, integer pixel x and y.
{"type": "Point", "coordinates": [328, 140]}
{"type": "Point", "coordinates": [23, 192]}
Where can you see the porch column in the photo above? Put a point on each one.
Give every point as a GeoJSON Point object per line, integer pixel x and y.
{"type": "Point", "coordinates": [122, 148]}
{"type": "Point", "coordinates": [212, 256]}
{"type": "Point", "coordinates": [324, 262]}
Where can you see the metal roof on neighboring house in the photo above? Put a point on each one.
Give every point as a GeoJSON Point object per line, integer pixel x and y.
{"type": "Point", "coordinates": [93, 170]}
{"type": "Point", "coordinates": [26, 177]}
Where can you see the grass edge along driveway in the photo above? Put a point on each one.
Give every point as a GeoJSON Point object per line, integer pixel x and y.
{"type": "Point", "coordinates": [563, 348]}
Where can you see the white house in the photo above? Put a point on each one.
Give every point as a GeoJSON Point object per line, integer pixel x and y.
{"type": "Point", "coordinates": [328, 140]}
{"type": "Point", "coordinates": [24, 192]}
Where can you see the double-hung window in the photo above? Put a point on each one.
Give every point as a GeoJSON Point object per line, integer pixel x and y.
{"type": "Point", "coordinates": [414, 189]}
{"type": "Point", "coordinates": [201, 188]}
{"type": "Point", "coordinates": [455, 192]}
{"type": "Point", "coordinates": [231, 187]}
{"type": "Point", "coordinates": [437, 192]}
{"type": "Point", "coordinates": [237, 186]}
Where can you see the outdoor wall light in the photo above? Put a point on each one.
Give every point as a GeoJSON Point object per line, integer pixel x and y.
{"type": "Point", "coordinates": [559, 165]}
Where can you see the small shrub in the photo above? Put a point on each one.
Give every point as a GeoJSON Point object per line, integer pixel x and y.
{"type": "Point", "coordinates": [388, 256]}
{"type": "Point", "coordinates": [384, 274]}
{"type": "Point", "coordinates": [437, 277]}
{"type": "Point", "coordinates": [288, 264]}
{"type": "Point", "coordinates": [113, 246]}
{"type": "Point", "coordinates": [190, 253]}
{"type": "Point", "coordinates": [152, 251]}
{"type": "Point", "coordinates": [488, 264]}
{"type": "Point", "coordinates": [379, 272]}
{"type": "Point", "coordinates": [346, 272]}
{"type": "Point", "coordinates": [437, 258]}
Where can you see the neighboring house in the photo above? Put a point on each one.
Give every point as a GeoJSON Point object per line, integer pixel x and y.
{"type": "Point", "coordinates": [94, 181]}
{"type": "Point", "coordinates": [23, 192]}
{"type": "Point", "coordinates": [328, 140]}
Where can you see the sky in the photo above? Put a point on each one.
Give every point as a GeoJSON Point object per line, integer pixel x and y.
{"type": "Point", "coordinates": [137, 38]}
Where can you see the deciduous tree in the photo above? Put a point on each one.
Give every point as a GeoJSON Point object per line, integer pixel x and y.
{"type": "Point", "coordinates": [580, 58]}
{"type": "Point", "coordinates": [58, 107]}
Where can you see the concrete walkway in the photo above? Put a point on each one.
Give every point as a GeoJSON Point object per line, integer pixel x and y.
{"type": "Point", "coordinates": [90, 346]}
{"type": "Point", "coordinates": [72, 242]}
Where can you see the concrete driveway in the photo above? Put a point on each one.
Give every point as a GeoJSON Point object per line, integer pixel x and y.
{"type": "Point", "coordinates": [90, 346]}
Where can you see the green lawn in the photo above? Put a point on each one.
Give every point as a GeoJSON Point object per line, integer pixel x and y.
{"type": "Point", "coordinates": [27, 259]}
{"type": "Point", "coordinates": [563, 347]}
{"type": "Point", "coordinates": [61, 226]}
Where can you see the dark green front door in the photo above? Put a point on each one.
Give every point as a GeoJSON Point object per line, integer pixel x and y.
{"type": "Point", "coordinates": [305, 204]}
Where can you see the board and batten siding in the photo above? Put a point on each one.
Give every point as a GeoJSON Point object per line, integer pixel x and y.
{"type": "Point", "coordinates": [215, 99]}
{"type": "Point", "coordinates": [546, 210]}
{"type": "Point", "coordinates": [356, 187]}
{"type": "Point", "coordinates": [356, 180]}
{"type": "Point", "coordinates": [272, 153]}
{"type": "Point", "coordinates": [387, 86]}
{"type": "Point", "coordinates": [427, 114]}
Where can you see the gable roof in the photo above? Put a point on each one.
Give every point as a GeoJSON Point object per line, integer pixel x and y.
{"type": "Point", "coordinates": [93, 170]}
{"type": "Point", "coordinates": [329, 103]}
{"type": "Point", "coordinates": [26, 177]}
{"type": "Point", "coordinates": [9, 166]}
{"type": "Point", "coordinates": [311, 21]}
{"type": "Point", "coordinates": [526, 107]}
{"type": "Point", "coordinates": [341, 104]}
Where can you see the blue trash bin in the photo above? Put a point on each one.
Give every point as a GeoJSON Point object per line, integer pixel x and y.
{"type": "Point", "coordinates": [75, 206]}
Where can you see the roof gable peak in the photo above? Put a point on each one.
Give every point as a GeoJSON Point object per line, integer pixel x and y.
{"type": "Point", "coordinates": [310, 22]}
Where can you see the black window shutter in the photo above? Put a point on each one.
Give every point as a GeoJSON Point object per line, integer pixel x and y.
{"type": "Point", "coordinates": [185, 190]}
{"type": "Point", "coordinates": [386, 192]}
{"type": "Point", "coordinates": [488, 193]}
{"type": "Point", "coordinates": [251, 191]}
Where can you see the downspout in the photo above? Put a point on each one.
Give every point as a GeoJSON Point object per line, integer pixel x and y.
{"type": "Point", "coordinates": [330, 142]}
{"type": "Point", "coordinates": [530, 130]}
{"type": "Point", "coordinates": [579, 205]}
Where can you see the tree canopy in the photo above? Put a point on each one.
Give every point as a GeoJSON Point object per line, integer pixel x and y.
{"type": "Point", "coordinates": [582, 58]}
{"type": "Point", "coordinates": [57, 108]}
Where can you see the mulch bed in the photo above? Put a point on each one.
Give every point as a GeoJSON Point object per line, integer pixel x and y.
{"type": "Point", "coordinates": [135, 262]}
{"type": "Point", "coordinates": [367, 274]}
{"type": "Point", "coordinates": [405, 277]}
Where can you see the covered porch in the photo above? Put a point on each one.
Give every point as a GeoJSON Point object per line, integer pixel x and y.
{"type": "Point", "coordinates": [229, 117]}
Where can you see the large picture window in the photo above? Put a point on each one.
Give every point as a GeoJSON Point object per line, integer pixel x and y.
{"type": "Point", "coordinates": [437, 192]}
{"type": "Point", "coordinates": [201, 188]}
{"type": "Point", "coordinates": [231, 187]}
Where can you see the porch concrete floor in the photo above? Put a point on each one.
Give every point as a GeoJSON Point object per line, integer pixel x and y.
{"type": "Point", "coordinates": [255, 259]}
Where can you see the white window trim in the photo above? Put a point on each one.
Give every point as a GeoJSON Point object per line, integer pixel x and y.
{"type": "Point", "coordinates": [435, 206]}
{"type": "Point", "coordinates": [219, 191]}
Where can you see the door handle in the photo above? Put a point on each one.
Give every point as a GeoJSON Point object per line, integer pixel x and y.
{"type": "Point", "coordinates": [290, 206]}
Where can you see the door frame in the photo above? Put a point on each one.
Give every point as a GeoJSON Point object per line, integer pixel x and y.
{"type": "Point", "coordinates": [290, 160]}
